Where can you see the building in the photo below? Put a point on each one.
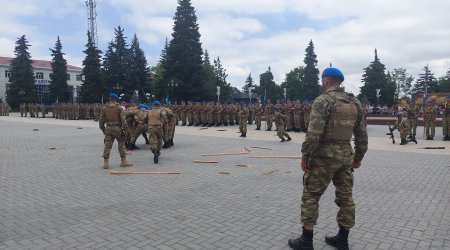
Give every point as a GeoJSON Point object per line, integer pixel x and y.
{"type": "Point", "coordinates": [42, 70]}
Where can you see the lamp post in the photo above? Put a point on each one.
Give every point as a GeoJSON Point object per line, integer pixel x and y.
{"type": "Point", "coordinates": [172, 85]}
{"type": "Point", "coordinates": [250, 93]}
{"type": "Point", "coordinates": [285, 94]}
{"type": "Point", "coordinates": [218, 93]}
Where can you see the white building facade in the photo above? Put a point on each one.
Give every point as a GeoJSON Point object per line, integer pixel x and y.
{"type": "Point", "coordinates": [42, 70]}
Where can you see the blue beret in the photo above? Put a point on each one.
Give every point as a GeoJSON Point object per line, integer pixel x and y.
{"type": "Point", "coordinates": [333, 72]}
{"type": "Point", "coordinates": [156, 103]}
{"type": "Point", "coordinates": [113, 95]}
{"type": "Point", "coordinates": [143, 106]}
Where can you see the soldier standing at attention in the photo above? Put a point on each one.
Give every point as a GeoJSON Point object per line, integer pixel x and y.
{"type": "Point", "coordinates": [402, 126]}
{"type": "Point", "coordinates": [243, 116]}
{"type": "Point", "coordinates": [156, 119]}
{"type": "Point", "coordinates": [113, 117]}
{"type": "Point", "coordinates": [413, 114]}
{"type": "Point", "coordinates": [429, 117]}
{"type": "Point", "coordinates": [327, 155]}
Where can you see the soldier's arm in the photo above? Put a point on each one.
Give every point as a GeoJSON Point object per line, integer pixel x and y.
{"type": "Point", "coordinates": [318, 118]}
{"type": "Point", "coordinates": [360, 133]}
{"type": "Point", "coordinates": [101, 122]}
{"type": "Point", "coordinates": [122, 119]}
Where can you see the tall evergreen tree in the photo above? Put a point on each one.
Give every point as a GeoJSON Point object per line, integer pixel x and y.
{"type": "Point", "coordinates": [21, 88]}
{"type": "Point", "coordinates": [311, 73]}
{"type": "Point", "coordinates": [184, 54]}
{"type": "Point", "coordinates": [295, 84]}
{"type": "Point", "coordinates": [58, 88]}
{"type": "Point", "coordinates": [374, 78]}
{"type": "Point", "coordinates": [115, 65]}
{"type": "Point", "coordinates": [444, 83]}
{"type": "Point", "coordinates": [221, 79]}
{"type": "Point", "coordinates": [138, 72]}
{"type": "Point", "coordinates": [159, 83]}
{"type": "Point", "coordinates": [426, 83]}
{"type": "Point", "coordinates": [92, 88]}
{"type": "Point", "coordinates": [268, 86]}
{"type": "Point", "coordinates": [209, 78]}
{"type": "Point", "coordinates": [249, 83]}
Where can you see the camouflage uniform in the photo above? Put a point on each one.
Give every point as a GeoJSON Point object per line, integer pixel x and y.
{"type": "Point", "coordinates": [429, 117]}
{"type": "Point", "coordinates": [280, 121]}
{"type": "Point", "coordinates": [113, 117]}
{"type": "Point", "coordinates": [156, 118]}
{"type": "Point", "coordinates": [335, 116]}
{"type": "Point", "coordinates": [243, 116]}
{"type": "Point", "coordinates": [413, 113]}
{"type": "Point", "coordinates": [403, 127]}
{"type": "Point", "coordinates": [446, 121]}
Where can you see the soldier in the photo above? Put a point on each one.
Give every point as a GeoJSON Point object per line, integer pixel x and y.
{"type": "Point", "coordinates": [413, 115]}
{"type": "Point", "coordinates": [243, 116]}
{"type": "Point", "coordinates": [258, 115]}
{"type": "Point", "coordinates": [327, 155]}
{"type": "Point", "coordinates": [446, 120]}
{"type": "Point", "coordinates": [169, 127]}
{"type": "Point", "coordinates": [141, 118]}
{"type": "Point", "coordinates": [268, 115]}
{"type": "Point", "coordinates": [22, 109]}
{"type": "Point", "coordinates": [280, 121]}
{"type": "Point", "coordinates": [113, 117]}
{"type": "Point", "coordinates": [402, 126]}
{"type": "Point", "coordinates": [156, 119]}
{"type": "Point", "coordinates": [429, 117]}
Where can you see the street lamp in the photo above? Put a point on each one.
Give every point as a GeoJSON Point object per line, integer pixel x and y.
{"type": "Point", "coordinates": [250, 93]}
{"type": "Point", "coordinates": [218, 93]}
{"type": "Point", "coordinates": [172, 85]}
{"type": "Point", "coordinates": [285, 94]}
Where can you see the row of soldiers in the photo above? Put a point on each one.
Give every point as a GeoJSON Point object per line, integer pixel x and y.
{"type": "Point", "coordinates": [217, 114]}
{"type": "Point", "coordinates": [34, 110]}
{"type": "Point", "coordinates": [429, 114]}
{"type": "Point", "coordinates": [66, 111]}
{"type": "Point", "coordinates": [4, 109]}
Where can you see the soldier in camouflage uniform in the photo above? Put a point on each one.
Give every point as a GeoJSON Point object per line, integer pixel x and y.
{"type": "Point", "coordinates": [169, 127]}
{"type": "Point", "coordinates": [243, 117]}
{"type": "Point", "coordinates": [113, 117]}
{"type": "Point", "coordinates": [280, 121]}
{"type": "Point", "coordinates": [141, 119]}
{"type": "Point", "coordinates": [446, 120]}
{"type": "Point", "coordinates": [413, 115]}
{"type": "Point", "coordinates": [402, 126]}
{"type": "Point", "coordinates": [429, 117]}
{"type": "Point", "coordinates": [328, 156]}
{"type": "Point", "coordinates": [156, 118]}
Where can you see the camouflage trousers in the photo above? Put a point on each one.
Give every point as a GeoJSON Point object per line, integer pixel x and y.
{"type": "Point", "coordinates": [430, 128]}
{"type": "Point", "coordinates": [243, 126]}
{"type": "Point", "coordinates": [325, 170]}
{"type": "Point", "coordinates": [138, 131]}
{"type": "Point", "coordinates": [412, 125]}
{"type": "Point", "coordinates": [114, 133]}
{"type": "Point", "coordinates": [258, 121]}
{"type": "Point", "coordinates": [446, 126]}
{"type": "Point", "coordinates": [281, 132]}
{"type": "Point", "coordinates": [155, 137]}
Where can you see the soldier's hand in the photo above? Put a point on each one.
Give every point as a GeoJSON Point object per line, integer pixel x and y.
{"type": "Point", "coordinates": [305, 166]}
{"type": "Point", "coordinates": [356, 164]}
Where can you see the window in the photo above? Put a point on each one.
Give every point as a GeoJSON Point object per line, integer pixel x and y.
{"type": "Point", "coordinates": [68, 77]}
{"type": "Point", "coordinates": [79, 78]}
{"type": "Point", "coordinates": [39, 75]}
{"type": "Point", "coordinates": [7, 74]}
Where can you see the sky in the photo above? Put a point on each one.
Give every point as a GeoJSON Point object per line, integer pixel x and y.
{"type": "Point", "coordinates": [250, 35]}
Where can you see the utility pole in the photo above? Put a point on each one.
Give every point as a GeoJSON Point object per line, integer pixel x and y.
{"type": "Point", "coordinates": [92, 23]}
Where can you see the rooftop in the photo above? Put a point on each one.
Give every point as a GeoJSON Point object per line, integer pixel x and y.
{"type": "Point", "coordinates": [39, 64]}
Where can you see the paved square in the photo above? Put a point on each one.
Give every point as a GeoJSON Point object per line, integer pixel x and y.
{"type": "Point", "coordinates": [54, 193]}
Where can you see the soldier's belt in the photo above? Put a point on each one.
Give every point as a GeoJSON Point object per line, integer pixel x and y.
{"type": "Point", "coordinates": [113, 124]}
{"type": "Point", "coordinates": [335, 142]}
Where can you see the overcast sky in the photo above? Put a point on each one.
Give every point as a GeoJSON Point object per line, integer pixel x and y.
{"type": "Point", "coordinates": [250, 35]}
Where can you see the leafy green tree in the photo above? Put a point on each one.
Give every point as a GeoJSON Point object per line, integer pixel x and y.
{"type": "Point", "coordinates": [268, 87]}
{"type": "Point", "coordinates": [426, 83]}
{"type": "Point", "coordinates": [137, 72]}
{"type": "Point", "coordinates": [184, 54]}
{"type": "Point", "coordinates": [21, 88]}
{"type": "Point", "coordinates": [294, 84]}
{"type": "Point", "coordinates": [374, 78]}
{"type": "Point", "coordinates": [403, 82]}
{"type": "Point", "coordinates": [92, 88]}
{"type": "Point", "coordinates": [444, 83]}
{"type": "Point", "coordinates": [221, 79]}
{"type": "Point", "coordinates": [311, 88]}
{"type": "Point", "coordinates": [58, 88]}
{"type": "Point", "coordinates": [115, 65]}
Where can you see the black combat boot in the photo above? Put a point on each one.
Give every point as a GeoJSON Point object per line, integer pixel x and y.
{"type": "Point", "coordinates": [289, 138]}
{"type": "Point", "coordinates": [403, 142]}
{"type": "Point", "coordinates": [166, 144]}
{"type": "Point", "coordinates": [340, 241]}
{"type": "Point", "coordinates": [133, 146]}
{"type": "Point", "coordinates": [171, 142]}
{"type": "Point", "coordinates": [244, 135]}
{"type": "Point", "coordinates": [257, 129]}
{"type": "Point", "coordinates": [155, 156]}
{"type": "Point", "coordinates": [305, 242]}
{"type": "Point", "coordinates": [146, 139]}
{"type": "Point", "coordinates": [283, 140]}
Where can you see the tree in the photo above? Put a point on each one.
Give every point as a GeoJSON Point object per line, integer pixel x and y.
{"type": "Point", "coordinates": [184, 54]}
{"type": "Point", "coordinates": [267, 86]}
{"type": "Point", "coordinates": [294, 84]}
{"type": "Point", "coordinates": [115, 68]}
{"type": "Point", "coordinates": [58, 88]}
{"type": "Point", "coordinates": [221, 79]}
{"type": "Point", "coordinates": [209, 78]}
{"type": "Point", "coordinates": [138, 72]}
{"type": "Point", "coordinates": [374, 78]}
{"type": "Point", "coordinates": [249, 83]}
{"type": "Point", "coordinates": [311, 73]}
{"type": "Point", "coordinates": [21, 88]}
{"type": "Point", "coordinates": [444, 83]}
{"type": "Point", "coordinates": [403, 82]}
{"type": "Point", "coordinates": [92, 88]}
{"type": "Point", "coordinates": [426, 83]}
